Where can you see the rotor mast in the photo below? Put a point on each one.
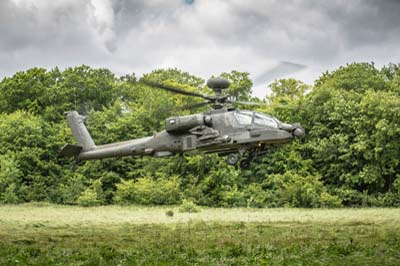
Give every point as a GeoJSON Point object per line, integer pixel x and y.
{"type": "Point", "coordinates": [218, 84]}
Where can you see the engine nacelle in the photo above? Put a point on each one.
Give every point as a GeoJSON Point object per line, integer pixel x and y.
{"type": "Point", "coordinates": [178, 124]}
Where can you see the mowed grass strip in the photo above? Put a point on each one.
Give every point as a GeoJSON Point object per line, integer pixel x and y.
{"type": "Point", "coordinates": [33, 234]}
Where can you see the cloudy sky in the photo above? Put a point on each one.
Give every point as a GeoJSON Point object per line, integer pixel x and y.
{"type": "Point", "coordinates": [203, 37]}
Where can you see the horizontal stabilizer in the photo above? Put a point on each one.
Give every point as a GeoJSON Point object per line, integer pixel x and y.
{"type": "Point", "coordinates": [70, 150]}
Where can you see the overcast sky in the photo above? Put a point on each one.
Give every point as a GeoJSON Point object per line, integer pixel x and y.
{"type": "Point", "coordinates": [203, 37]}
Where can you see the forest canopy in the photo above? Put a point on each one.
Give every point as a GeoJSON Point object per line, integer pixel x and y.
{"type": "Point", "coordinates": [349, 157]}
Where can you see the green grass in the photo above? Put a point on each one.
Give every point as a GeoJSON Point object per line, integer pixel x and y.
{"type": "Point", "coordinates": [40, 234]}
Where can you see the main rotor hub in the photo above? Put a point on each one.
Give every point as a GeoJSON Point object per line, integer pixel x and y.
{"type": "Point", "coordinates": [218, 83]}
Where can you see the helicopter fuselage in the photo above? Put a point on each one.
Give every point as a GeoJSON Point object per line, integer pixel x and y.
{"type": "Point", "coordinates": [223, 131]}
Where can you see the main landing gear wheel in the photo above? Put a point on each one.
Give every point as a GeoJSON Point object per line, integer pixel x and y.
{"type": "Point", "coordinates": [232, 159]}
{"type": "Point", "coordinates": [245, 164]}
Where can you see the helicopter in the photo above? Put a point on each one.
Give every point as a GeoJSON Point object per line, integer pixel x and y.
{"type": "Point", "coordinates": [240, 135]}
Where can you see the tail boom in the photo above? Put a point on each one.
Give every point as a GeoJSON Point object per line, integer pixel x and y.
{"type": "Point", "coordinates": [85, 149]}
{"type": "Point", "coordinates": [119, 149]}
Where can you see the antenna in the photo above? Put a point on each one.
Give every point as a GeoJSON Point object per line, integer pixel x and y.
{"type": "Point", "coordinates": [75, 100]}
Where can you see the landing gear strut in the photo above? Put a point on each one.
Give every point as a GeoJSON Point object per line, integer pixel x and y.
{"type": "Point", "coordinates": [252, 155]}
{"type": "Point", "coordinates": [233, 158]}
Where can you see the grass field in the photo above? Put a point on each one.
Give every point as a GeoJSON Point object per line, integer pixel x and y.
{"type": "Point", "coordinates": [40, 234]}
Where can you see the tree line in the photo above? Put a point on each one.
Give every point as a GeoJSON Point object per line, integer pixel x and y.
{"type": "Point", "coordinates": [349, 157]}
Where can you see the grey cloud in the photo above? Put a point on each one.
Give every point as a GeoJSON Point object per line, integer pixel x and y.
{"type": "Point", "coordinates": [206, 37]}
{"type": "Point", "coordinates": [363, 23]}
{"type": "Point", "coordinates": [29, 25]}
{"type": "Point", "coordinates": [59, 33]}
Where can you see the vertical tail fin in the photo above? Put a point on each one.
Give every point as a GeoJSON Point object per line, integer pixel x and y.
{"type": "Point", "coordinates": [79, 130]}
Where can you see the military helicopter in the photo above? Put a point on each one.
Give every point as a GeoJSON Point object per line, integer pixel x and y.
{"type": "Point", "coordinates": [241, 135]}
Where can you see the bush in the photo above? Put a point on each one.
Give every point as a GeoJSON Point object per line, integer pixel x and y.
{"type": "Point", "coordinates": [329, 201]}
{"type": "Point", "coordinates": [88, 198]}
{"type": "Point", "coordinates": [166, 191]}
{"type": "Point", "coordinates": [295, 190]}
{"type": "Point", "coordinates": [301, 191]}
{"type": "Point", "coordinates": [221, 187]}
{"type": "Point", "coordinates": [349, 197]}
{"type": "Point", "coordinates": [292, 190]}
{"type": "Point", "coordinates": [92, 196]}
{"type": "Point", "coordinates": [255, 196]}
{"type": "Point", "coordinates": [9, 177]}
{"type": "Point", "coordinates": [125, 192]}
{"type": "Point", "coordinates": [391, 199]}
{"type": "Point", "coordinates": [396, 183]}
{"type": "Point", "coordinates": [147, 191]}
{"type": "Point", "coordinates": [233, 198]}
{"type": "Point", "coordinates": [188, 206]}
{"type": "Point", "coordinates": [169, 213]}
{"type": "Point", "coordinates": [69, 192]}
{"type": "Point", "coordinates": [10, 196]}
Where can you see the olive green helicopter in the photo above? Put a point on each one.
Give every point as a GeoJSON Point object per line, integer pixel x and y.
{"type": "Point", "coordinates": [240, 135]}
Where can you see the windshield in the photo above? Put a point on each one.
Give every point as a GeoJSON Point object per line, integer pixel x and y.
{"type": "Point", "coordinates": [251, 118]}
{"type": "Point", "coordinates": [244, 117]}
{"type": "Point", "coordinates": [263, 120]}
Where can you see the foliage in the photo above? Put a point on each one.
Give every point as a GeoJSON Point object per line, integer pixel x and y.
{"type": "Point", "coordinates": [147, 190]}
{"type": "Point", "coordinates": [88, 198]}
{"type": "Point", "coordinates": [287, 99]}
{"type": "Point", "coordinates": [188, 206]}
{"type": "Point", "coordinates": [72, 189]}
{"type": "Point", "coordinates": [9, 176]}
{"type": "Point", "coordinates": [9, 195]}
{"type": "Point", "coordinates": [169, 213]}
{"type": "Point", "coordinates": [256, 196]}
{"type": "Point", "coordinates": [295, 190]}
{"type": "Point", "coordinates": [32, 144]}
{"type": "Point", "coordinates": [349, 157]}
{"type": "Point", "coordinates": [241, 84]}
{"type": "Point", "coordinates": [92, 196]}
{"type": "Point", "coordinates": [353, 127]}
{"type": "Point", "coordinates": [51, 93]}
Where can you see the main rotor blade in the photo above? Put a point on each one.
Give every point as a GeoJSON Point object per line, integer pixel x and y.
{"type": "Point", "coordinates": [282, 69]}
{"type": "Point", "coordinates": [272, 105]}
{"type": "Point", "coordinates": [251, 103]}
{"type": "Point", "coordinates": [193, 106]}
{"type": "Point", "coordinates": [175, 90]}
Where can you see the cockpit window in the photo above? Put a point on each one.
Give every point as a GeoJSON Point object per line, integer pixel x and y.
{"type": "Point", "coordinates": [244, 117]}
{"type": "Point", "coordinates": [264, 120]}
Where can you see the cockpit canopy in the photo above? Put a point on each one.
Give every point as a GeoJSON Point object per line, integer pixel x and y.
{"type": "Point", "coordinates": [249, 118]}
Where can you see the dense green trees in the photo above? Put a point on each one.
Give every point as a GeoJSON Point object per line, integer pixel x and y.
{"type": "Point", "coordinates": [50, 93]}
{"type": "Point", "coordinates": [350, 156]}
{"type": "Point", "coordinates": [352, 118]}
